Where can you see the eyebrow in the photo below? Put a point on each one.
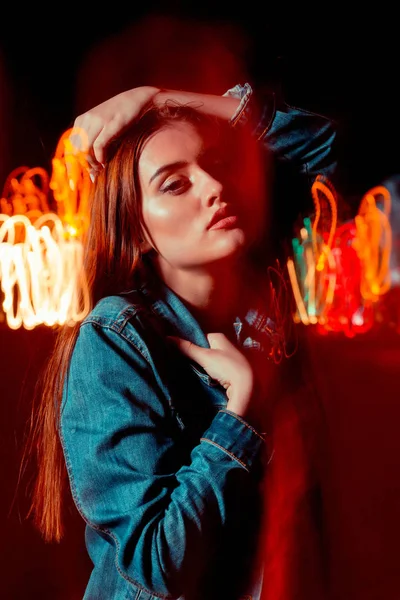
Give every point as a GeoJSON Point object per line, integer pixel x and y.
{"type": "Point", "coordinates": [169, 167]}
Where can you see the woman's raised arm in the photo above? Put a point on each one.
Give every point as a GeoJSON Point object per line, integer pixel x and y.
{"type": "Point", "coordinates": [107, 120]}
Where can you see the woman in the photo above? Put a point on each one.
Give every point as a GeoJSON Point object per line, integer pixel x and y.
{"type": "Point", "coordinates": [161, 397]}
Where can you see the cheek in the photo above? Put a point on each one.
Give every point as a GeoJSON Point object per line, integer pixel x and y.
{"type": "Point", "coordinates": [165, 221]}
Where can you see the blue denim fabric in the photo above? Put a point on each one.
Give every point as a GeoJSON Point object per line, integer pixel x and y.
{"type": "Point", "coordinates": [302, 138]}
{"type": "Point", "coordinates": [166, 478]}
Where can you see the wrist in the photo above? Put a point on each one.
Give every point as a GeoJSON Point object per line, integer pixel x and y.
{"type": "Point", "coordinates": [240, 397]}
{"type": "Point", "coordinates": [248, 403]}
{"type": "Point", "coordinates": [143, 94]}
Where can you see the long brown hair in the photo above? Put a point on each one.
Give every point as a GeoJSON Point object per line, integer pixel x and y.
{"type": "Point", "coordinates": [111, 259]}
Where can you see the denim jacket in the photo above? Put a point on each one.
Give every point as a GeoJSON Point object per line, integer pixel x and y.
{"type": "Point", "coordinates": [166, 478]}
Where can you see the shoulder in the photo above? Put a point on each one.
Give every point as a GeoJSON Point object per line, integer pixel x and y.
{"type": "Point", "coordinates": [118, 320]}
{"type": "Point", "coordinates": [114, 311]}
{"type": "Point", "coordinates": [125, 320]}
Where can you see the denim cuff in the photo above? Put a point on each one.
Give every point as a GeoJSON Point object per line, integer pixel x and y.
{"type": "Point", "coordinates": [257, 108]}
{"type": "Point", "coordinates": [242, 93]}
{"type": "Point", "coordinates": [234, 436]}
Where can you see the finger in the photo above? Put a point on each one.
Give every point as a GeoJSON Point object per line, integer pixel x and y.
{"type": "Point", "coordinates": [76, 142]}
{"type": "Point", "coordinates": [109, 132]}
{"type": "Point", "coordinates": [72, 170]}
{"type": "Point", "coordinates": [74, 164]}
{"type": "Point", "coordinates": [219, 341]}
{"type": "Point", "coordinates": [79, 140]}
{"type": "Point", "coordinates": [194, 352]}
{"type": "Point", "coordinates": [76, 156]}
{"type": "Point", "coordinates": [79, 143]}
{"type": "Point", "coordinates": [93, 174]}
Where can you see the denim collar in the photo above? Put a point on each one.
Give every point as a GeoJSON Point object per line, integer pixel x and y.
{"type": "Point", "coordinates": [254, 329]}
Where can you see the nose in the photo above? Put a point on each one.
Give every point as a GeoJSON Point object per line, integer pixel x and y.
{"type": "Point", "coordinates": [212, 189]}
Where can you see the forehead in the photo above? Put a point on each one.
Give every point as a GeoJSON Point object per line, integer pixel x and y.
{"type": "Point", "coordinates": [174, 141]}
{"type": "Point", "coordinates": [182, 140]}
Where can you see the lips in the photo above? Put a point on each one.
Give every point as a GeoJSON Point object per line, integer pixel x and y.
{"type": "Point", "coordinates": [220, 215]}
{"type": "Point", "coordinates": [226, 223]}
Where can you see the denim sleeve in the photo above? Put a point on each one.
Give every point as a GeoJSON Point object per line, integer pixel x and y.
{"type": "Point", "coordinates": [304, 138]}
{"type": "Point", "coordinates": [126, 479]}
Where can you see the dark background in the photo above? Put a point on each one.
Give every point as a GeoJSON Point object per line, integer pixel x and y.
{"type": "Point", "coordinates": [341, 63]}
{"type": "Point", "coordinates": [333, 62]}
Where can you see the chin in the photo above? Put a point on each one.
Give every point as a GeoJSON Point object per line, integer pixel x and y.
{"type": "Point", "coordinates": [236, 242]}
{"type": "Point", "coordinates": [233, 250]}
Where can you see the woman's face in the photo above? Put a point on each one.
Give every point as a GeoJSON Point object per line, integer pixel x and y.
{"type": "Point", "coordinates": [198, 196]}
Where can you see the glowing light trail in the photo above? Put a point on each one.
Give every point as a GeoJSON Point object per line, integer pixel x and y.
{"type": "Point", "coordinates": [41, 273]}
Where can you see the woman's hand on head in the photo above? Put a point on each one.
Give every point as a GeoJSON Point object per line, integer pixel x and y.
{"type": "Point", "coordinates": [106, 121]}
{"type": "Point", "coordinates": [225, 363]}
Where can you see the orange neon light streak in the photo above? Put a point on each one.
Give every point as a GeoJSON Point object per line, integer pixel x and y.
{"type": "Point", "coordinates": [323, 186]}
{"type": "Point", "coordinates": [338, 274]}
{"type": "Point", "coordinates": [41, 272]}
{"type": "Point", "coordinates": [312, 271]}
{"type": "Point", "coordinates": [373, 243]}
{"type": "Point", "coordinates": [70, 181]}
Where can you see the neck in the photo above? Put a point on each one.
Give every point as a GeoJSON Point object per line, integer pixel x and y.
{"type": "Point", "coordinates": [214, 294]}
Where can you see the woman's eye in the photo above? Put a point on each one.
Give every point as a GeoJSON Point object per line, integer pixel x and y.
{"type": "Point", "coordinates": [175, 186]}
